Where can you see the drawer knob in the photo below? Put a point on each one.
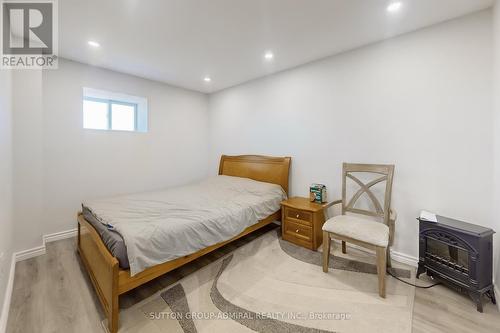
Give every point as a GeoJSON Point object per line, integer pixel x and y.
{"type": "Point", "coordinates": [298, 215]}
{"type": "Point", "coordinates": [297, 230]}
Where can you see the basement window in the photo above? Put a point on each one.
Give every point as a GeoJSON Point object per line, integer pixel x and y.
{"type": "Point", "coordinates": [104, 110]}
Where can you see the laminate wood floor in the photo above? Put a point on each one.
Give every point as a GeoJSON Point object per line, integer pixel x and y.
{"type": "Point", "coordinates": [52, 293]}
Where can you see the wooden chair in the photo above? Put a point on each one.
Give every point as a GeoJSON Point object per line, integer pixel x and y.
{"type": "Point", "coordinates": [362, 231]}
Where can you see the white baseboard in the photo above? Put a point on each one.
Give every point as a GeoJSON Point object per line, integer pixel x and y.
{"type": "Point", "coordinates": [60, 235]}
{"type": "Point", "coordinates": [396, 256]}
{"type": "Point", "coordinates": [404, 258]}
{"type": "Point", "coordinates": [40, 250]}
{"type": "Point", "coordinates": [497, 295]}
{"type": "Point", "coordinates": [23, 255]}
{"type": "Point", "coordinates": [30, 253]}
{"type": "Point", "coordinates": [8, 295]}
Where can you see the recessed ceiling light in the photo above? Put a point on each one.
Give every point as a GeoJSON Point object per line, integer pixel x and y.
{"type": "Point", "coordinates": [207, 79]}
{"type": "Point", "coordinates": [269, 55]}
{"type": "Point", "coordinates": [93, 43]}
{"type": "Point", "coordinates": [394, 7]}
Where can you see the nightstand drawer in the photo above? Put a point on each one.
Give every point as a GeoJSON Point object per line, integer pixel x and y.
{"type": "Point", "coordinates": [302, 221]}
{"type": "Point", "coordinates": [298, 231]}
{"type": "Point", "coordinates": [299, 215]}
{"type": "Point", "coordinates": [299, 241]}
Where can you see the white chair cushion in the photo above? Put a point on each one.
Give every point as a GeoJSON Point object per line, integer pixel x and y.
{"type": "Point", "coordinates": [372, 232]}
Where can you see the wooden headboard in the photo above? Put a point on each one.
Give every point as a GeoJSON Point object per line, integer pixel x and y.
{"type": "Point", "coordinates": [262, 168]}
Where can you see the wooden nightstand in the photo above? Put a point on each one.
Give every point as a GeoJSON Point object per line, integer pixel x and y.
{"type": "Point", "coordinates": [301, 222]}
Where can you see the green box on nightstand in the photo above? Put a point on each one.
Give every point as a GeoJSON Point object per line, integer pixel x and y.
{"type": "Point", "coordinates": [318, 193]}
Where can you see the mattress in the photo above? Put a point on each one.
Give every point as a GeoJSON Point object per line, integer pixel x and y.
{"type": "Point", "coordinates": [154, 227]}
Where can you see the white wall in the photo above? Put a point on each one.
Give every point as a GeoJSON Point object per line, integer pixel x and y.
{"type": "Point", "coordinates": [28, 158]}
{"type": "Point", "coordinates": [496, 95]}
{"type": "Point", "coordinates": [6, 220]}
{"type": "Point", "coordinates": [421, 101]}
{"type": "Point", "coordinates": [65, 163]}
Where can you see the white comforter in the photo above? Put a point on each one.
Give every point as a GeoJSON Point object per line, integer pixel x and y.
{"type": "Point", "coordinates": [165, 225]}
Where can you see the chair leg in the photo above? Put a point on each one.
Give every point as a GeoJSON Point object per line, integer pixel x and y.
{"type": "Point", "coordinates": [344, 249]}
{"type": "Point", "coordinates": [389, 263]}
{"type": "Point", "coordinates": [326, 250]}
{"type": "Point", "coordinates": [381, 267]}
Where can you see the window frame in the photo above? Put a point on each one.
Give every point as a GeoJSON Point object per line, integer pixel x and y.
{"type": "Point", "coordinates": [109, 102]}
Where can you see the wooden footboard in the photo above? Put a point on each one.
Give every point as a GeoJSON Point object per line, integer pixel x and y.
{"type": "Point", "coordinates": [102, 268]}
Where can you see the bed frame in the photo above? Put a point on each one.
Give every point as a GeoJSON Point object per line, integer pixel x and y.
{"type": "Point", "coordinates": [110, 280]}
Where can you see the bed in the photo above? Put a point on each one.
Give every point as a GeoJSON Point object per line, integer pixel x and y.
{"type": "Point", "coordinates": [115, 269]}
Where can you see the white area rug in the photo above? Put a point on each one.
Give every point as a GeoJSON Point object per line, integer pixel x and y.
{"type": "Point", "coordinates": [264, 287]}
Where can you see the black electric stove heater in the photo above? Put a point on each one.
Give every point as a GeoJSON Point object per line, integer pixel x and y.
{"type": "Point", "coordinates": [460, 254]}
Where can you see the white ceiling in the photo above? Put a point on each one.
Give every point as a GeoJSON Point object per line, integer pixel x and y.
{"type": "Point", "coordinates": [182, 41]}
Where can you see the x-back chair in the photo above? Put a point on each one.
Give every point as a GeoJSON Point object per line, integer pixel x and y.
{"type": "Point", "coordinates": [362, 231]}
